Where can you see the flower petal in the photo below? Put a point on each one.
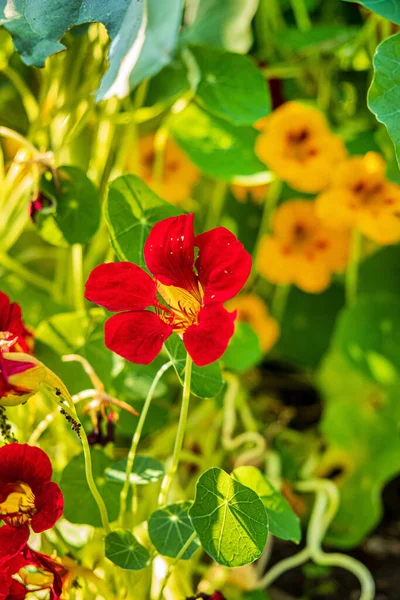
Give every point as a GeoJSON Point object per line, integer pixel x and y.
{"type": "Point", "coordinates": [12, 540]}
{"type": "Point", "coordinates": [223, 265]}
{"type": "Point", "coordinates": [207, 341]}
{"type": "Point", "coordinates": [169, 252]}
{"type": "Point", "coordinates": [49, 504]}
{"type": "Point", "coordinates": [120, 286]}
{"type": "Point", "coordinates": [137, 336]}
{"type": "Point", "coordinates": [20, 462]}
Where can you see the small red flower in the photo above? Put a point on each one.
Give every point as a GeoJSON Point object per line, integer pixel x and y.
{"type": "Point", "coordinates": [13, 332]}
{"type": "Point", "coordinates": [28, 572]}
{"type": "Point", "coordinates": [186, 294]}
{"type": "Point", "coordinates": [28, 497]}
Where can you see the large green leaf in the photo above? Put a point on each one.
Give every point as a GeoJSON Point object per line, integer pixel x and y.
{"type": "Point", "coordinates": [206, 381]}
{"type": "Point", "coordinates": [131, 210]}
{"type": "Point", "coordinates": [390, 9]}
{"type": "Point", "coordinates": [283, 523]}
{"type": "Point", "coordinates": [123, 549]}
{"type": "Point", "coordinates": [383, 96]}
{"type": "Point", "coordinates": [75, 215]}
{"type": "Point", "coordinates": [163, 22]}
{"type": "Point", "coordinates": [170, 528]}
{"type": "Point", "coordinates": [145, 470]}
{"type": "Point", "coordinates": [37, 26]}
{"type": "Point", "coordinates": [244, 350]}
{"type": "Point", "coordinates": [224, 24]}
{"type": "Point", "coordinates": [217, 147]}
{"type": "Point", "coordinates": [368, 334]}
{"type": "Point", "coordinates": [361, 428]}
{"type": "Point", "coordinates": [226, 82]}
{"type": "Point", "coordinates": [79, 505]}
{"type": "Point", "coordinates": [229, 519]}
{"type": "Point", "coordinates": [379, 272]}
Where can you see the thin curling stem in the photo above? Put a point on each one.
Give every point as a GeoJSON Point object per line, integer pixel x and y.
{"type": "Point", "coordinates": [176, 560]}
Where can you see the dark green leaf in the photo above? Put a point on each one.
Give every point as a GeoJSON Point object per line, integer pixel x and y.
{"type": "Point", "coordinates": [170, 528]}
{"type": "Point", "coordinates": [244, 349]}
{"type": "Point", "coordinates": [75, 216]}
{"type": "Point", "coordinates": [227, 83]}
{"type": "Point", "coordinates": [369, 335]}
{"type": "Point", "coordinates": [229, 519]}
{"type": "Point", "coordinates": [390, 9]}
{"type": "Point", "coordinates": [206, 381]}
{"type": "Point", "coordinates": [170, 83]}
{"type": "Point", "coordinates": [79, 505]}
{"type": "Point", "coordinates": [123, 549]}
{"type": "Point", "coordinates": [379, 272]}
{"type": "Point", "coordinates": [216, 146]}
{"type": "Point", "coordinates": [145, 470]}
{"type": "Point", "coordinates": [131, 210]}
{"type": "Point", "coordinates": [223, 24]}
{"type": "Point", "coordinates": [383, 93]}
{"type": "Point", "coordinates": [283, 523]}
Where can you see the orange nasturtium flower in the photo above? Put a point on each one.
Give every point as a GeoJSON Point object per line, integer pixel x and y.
{"type": "Point", "coordinates": [302, 250]}
{"type": "Point", "coordinates": [361, 196]}
{"type": "Point", "coordinates": [296, 143]}
{"type": "Point", "coordinates": [256, 193]}
{"type": "Point", "coordinates": [179, 173]}
{"type": "Point", "coordinates": [252, 310]}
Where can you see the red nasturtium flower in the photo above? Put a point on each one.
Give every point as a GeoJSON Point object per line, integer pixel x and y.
{"type": "Point", "coordinates": [13, 332]}
{"type": "Point", "coordinates": [28, 497]}
{"type": "Point", "coordinates": [186, 294]}
{"type": "Point", "coordinates": [28, 572]}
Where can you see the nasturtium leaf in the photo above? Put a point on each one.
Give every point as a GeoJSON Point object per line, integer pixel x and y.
{"type": "Point", "coordinates": [145, 470]}
{"type": "Point", "coordinates": [170, 528]}
{"type": "Point", "coordinates": [74, 215]}
{"type": "Point", "coordinates": [223, 25]}
{"type": "Point", "coordinates": [307, 325]}
{"type": "Point", "coordinates": [390, 9]}
{"type": "Point", "coordinates": [283, 522]}
{"type": "Point", "coordinates": [368, 333]}
{"type": "Point", "coordinates": [123, 549]}
{"type": "Point", "coordinates": [230, 86]}
{"type": "Point", "coordinates": [216, 146]}
{"type": "Point", "coordinates": [79, 505]}
{"type": "Point", "coordinates": [243, 350]}
{"type": "Point", "coordinates": [206, 381]}
{"type": "Point", "coordinates": [361, 431]}
{"type": "Point", "coordinates": [131, 210]}
{"type": "Point", "coordinates": [383, 93]}
{"type": "Point", "coordinates": [379, 272]}
{"type": "Point", "coordinates": [163, 22]}
{"type": "Point", "coordinates": [170, 83]}
{"type": "Point", "coordinates": [37, 26]}
{"type": "Point", "coordinates": [229, 519]}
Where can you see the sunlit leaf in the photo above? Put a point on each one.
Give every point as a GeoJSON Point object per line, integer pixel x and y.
{"type": "Point", "coordinates": [170, 528]}
{"type": "Point", "coordinates": [229, 519]}
{"type": "Point", "coordinates": [123, 549]}
{"type": "Point", "coordinates": [145, 470]}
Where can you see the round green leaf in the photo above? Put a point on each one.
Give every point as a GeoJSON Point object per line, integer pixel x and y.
{"type": "Point", "coordinates": [79, 505]}
{"type": "Point", "coordinates": [123, 549]}
{"type": "Point", "coordinates": [170, 528]}
{"type": "Point", "coordinates": [131, 210]}
{"type": "Point", "coordinates": [145, 470]}
{"type": "Point", "coordinates": [226, 83]}
{"type": "Point", "coordinates": [206, 381]}
{"type": "Point", "coordinates": [75, 215]}
{"type": "Point", "coordinates": [229, 519]}
{"type": "Point", "coordinates": [390, 9]}
{"type": "Point", "coordinates": [369, 335]}
{"type": "Point", "coordinates": [283, 523]}
{"type": "Point", "coordinates": [216, 146]}
{"type": "Point", "coordinates": [244, 349]}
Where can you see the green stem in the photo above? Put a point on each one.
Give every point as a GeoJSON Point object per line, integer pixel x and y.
{"type": "Point", "coordinates": [351, 275]}
{"type": "Point", "coordinates": [77, 277]}
{"type": "Point", "coordinates": [136, 439]}
{"type": "Point", "coordinates": [28, 99]}
{"type": "Point", "coordinates": [271, 201]}
{"type": "Point", "coordinates": [11, 265]}
{"type": "Point", "coordinates": [300, 12]}
{"type": "Point", "coordinates": [176, 560]}
{"type": "Point", "coordinates": [281, 567]}
{"type": "Point", "coordinates": [166, 483]}
{"type": "Point", "coordinates": [216, 205]}
{"type": "Point", "coordinates": [279, 301]}
{"type": "Point", "coordinates": [13, 135]}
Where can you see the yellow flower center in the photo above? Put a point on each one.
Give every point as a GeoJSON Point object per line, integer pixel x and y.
{"type": "Point", "coordinates": [34, 578]}
{"type": "Point", "coordinates": [18, 508]}
{"type": "Point", "coordinates": [183, 306]}
{"type": "Point", "coordinates": [300, 144]}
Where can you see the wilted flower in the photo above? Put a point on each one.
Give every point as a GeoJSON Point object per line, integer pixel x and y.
{"type": "Point", "coordinates": [28, 497]}
{"type": "Point", "coordinates": [184, 301]}
{"type": "Point", "coordinates": [361, 196]}
{"type": "Point", "coordinates": [302, 249]}
{"type": "Point", "coordinates": [296, 143]}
